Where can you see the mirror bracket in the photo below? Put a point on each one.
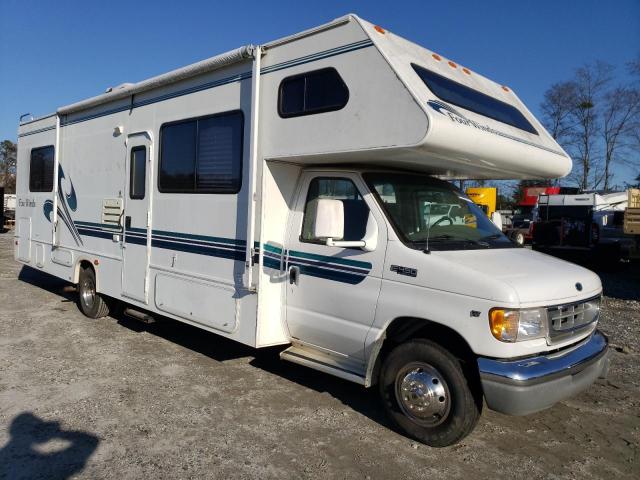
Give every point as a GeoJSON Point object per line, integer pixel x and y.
{"type": "Point", "coordinates": [330, 242]}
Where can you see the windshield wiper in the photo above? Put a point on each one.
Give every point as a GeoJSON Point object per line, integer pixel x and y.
{"type": "Point", "coordinates": [494, 236]}
{"type": "Point", "coordinates": [453, 240]}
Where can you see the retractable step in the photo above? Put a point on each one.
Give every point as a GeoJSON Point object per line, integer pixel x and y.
{"type": "Point", "coordinates": [140, 316]}
{"type": "Point", "coordinates": [319, 360]}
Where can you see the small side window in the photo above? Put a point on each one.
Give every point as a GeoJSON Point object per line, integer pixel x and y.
{"type": "Point", "coordinates": [356, 211]}
{"type": "Point", "coordinates": [312, 92]}
{"type": "Point", "coordinates": [138, 173]}
{"type": "Point", "coordinates": [41, 169]}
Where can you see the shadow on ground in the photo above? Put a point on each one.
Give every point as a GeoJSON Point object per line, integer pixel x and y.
{"type": "Point", "coordinates": [45, 281]}
{"type": "Point", "coordinates": [222, 349]}
{"type": "Point", "coordinates": [40, 449]}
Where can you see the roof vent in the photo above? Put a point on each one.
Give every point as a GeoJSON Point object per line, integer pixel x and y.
{"type": "Point", "coordinates": [119, 87]}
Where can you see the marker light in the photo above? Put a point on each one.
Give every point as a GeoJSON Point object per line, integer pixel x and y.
{"type": "Point", "coordinates": [506, 89]}
{"type": "Point", "coordinates": [467, 71]}
{"type": "Point", "coordinates": [504, 324]}
{"type": "Point", "coordinates": [453, 65]}
{"type": "Point", "coordinates": [379, 29]}
{"type": "Point", "coordinates": [436, 56]}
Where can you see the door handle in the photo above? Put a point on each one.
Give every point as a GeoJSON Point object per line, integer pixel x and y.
{"type": "Point", "coordinates": [127, 222]}
{"type": "Point", "coordinates": [294, 275]}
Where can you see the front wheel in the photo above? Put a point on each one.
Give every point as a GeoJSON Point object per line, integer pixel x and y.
{"type": "Point", "coordinates": [427, 395]}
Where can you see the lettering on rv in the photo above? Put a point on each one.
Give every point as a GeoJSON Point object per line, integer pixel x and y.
{"type": "Point", "coordinates": [455, 116]}
{"type": "Point", "coordinates": [26, 202]}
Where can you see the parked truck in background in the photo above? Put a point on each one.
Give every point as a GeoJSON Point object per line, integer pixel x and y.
{"type": "Point", "coordinates": [587, 224]}
{"type": "Point", "coordinates": [485, 197]}
{"type": "Point", "coordinates": [9, 208]}
{"type": "Point", "coordinates": [632, 221]}
{"type": "Point", "coordinates": [520, 229]}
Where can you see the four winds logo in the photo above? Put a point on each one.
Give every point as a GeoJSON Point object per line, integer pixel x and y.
{"type": "Point", "coordinates": [66, 202]}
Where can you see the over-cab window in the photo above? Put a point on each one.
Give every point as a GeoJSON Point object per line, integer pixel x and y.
{"type": "Point", "coordinates": [356, 211]}
{"type": "Point", "coordinates": [470, 99]}
{"type": "Point", "coordinates": [41, 169]}
{"type": "Point", "coordinates": [202, 155]}
{"type": "Point", "coordinates": [312, 92]}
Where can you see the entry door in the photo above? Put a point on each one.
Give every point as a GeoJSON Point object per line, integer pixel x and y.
{"type": "Point", "coordinates": [331, 291]}
{"type": "Point", "coordinates": [137, 217]}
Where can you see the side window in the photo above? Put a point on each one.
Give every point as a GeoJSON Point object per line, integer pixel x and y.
{"type": "Point", "coordinates": [203, 155]}
{"type": "Point", "coordinates": [138, 173]}
{"type": "Point", "coordinates": [41, 169]}
{"type": "Point", "coordinates": [312, 92]}
{"type": "Point", "coordinates": [356, 211]}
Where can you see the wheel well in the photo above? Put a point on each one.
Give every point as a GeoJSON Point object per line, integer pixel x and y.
{"type": "Point", "coordinates": [81, 265]}
{"type": "Point", "coordinates": [405, 328]}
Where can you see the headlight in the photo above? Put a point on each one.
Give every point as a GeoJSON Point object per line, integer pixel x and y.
{"type": "Point", "coordinates": [518, 325]}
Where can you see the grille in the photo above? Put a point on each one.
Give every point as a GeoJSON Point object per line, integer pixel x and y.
{"type": "Point", "coordinates": [567, 319]}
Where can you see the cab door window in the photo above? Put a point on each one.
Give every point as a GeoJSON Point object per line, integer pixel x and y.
{"type": "Point", "coordinates": [356, 212]}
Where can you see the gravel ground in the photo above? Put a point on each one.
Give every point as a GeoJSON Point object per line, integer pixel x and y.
{"type": "Point", "coordinates": [117, 399]}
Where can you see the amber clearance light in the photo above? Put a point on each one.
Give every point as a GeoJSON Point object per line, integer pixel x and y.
{"type": "Point", "coordinates": [504, 324]}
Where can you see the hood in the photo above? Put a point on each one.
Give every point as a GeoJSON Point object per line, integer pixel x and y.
{"type": "Point", "coordinates": [537, 279]}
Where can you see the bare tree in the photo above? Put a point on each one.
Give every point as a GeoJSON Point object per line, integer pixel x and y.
{"type": "Point", "coordinates": [557, 107]}
{"type": "Point", "coordinates": [634, 134]}
{"type": "Point", "coordinates": [8, 151]}
{"type": "Point", "coordinates": [591, 81]}
{"type": "Point", "coordinates": [620, 120]}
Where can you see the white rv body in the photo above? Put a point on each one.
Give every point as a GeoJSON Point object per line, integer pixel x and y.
{"type": "Point", "coordinates": [236, 263]}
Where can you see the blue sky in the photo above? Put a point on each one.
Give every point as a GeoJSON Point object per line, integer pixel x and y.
{"type": "Point", "coordinates": [55, 53]}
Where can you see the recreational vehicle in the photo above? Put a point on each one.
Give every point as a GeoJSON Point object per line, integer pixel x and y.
{"type": "Point", "coordinates": [292, 194]}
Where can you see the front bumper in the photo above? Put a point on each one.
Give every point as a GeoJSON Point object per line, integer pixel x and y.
{"type": "Point", "coordinates": [527, 385]}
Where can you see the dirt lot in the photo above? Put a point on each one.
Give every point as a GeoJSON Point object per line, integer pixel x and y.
{"type": "Point", "coordinates": [117, 399]}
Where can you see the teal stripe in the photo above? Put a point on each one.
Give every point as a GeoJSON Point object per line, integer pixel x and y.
{"type": "Point", "coordinates": [230, 241]}
{"type": "Point", "coordinates": [272, 249]}
{"type": "Point", "coordinates": [33, 132]}
{"type": "Point", "coordinates": [317, 56]}
{"type": "Point", "coordinates": [335, 260]}
{"type": "Point", "coordinates": [97, 225]}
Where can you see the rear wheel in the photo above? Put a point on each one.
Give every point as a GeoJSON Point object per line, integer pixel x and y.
{"type": "Point", "coordinates": [92, 304]}
{"type": "Point", "coordinates": [427, 395]}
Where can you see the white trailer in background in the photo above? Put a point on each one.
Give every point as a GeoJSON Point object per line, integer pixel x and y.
{"type": "Point", "coordinates": [283, 194]}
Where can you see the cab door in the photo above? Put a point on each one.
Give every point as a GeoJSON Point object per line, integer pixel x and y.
{"type": "Point", "coordinates": [332, 291]}
{"type": "Point", "coordinates": [137, 217]}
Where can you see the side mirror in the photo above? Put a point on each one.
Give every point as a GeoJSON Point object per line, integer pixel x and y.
{"type": "Point", "coordinates": [328, 221]}
{"type": "Point", "coordinates": [496, 218]}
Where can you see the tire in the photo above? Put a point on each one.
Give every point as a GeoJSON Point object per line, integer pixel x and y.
{"type": "Point", "coordinates": [91, 303]}
{"type": "Point", "coordinates": [447, 413]}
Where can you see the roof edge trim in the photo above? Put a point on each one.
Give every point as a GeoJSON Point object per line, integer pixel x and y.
{"type": "Point", "coordinates": [207, 65]}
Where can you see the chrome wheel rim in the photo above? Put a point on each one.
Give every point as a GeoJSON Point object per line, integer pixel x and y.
{"type": "Point", "coordinates": [88, 293]}
{"type": "Point", "coordinates": [423, 394]}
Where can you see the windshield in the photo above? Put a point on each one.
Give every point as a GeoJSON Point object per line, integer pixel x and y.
{"type": "Point", "coordinates": [432, 214]}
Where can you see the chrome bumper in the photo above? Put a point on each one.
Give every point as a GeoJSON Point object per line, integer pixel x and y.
{"type": "Point", "coordinates": [527, 385]}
